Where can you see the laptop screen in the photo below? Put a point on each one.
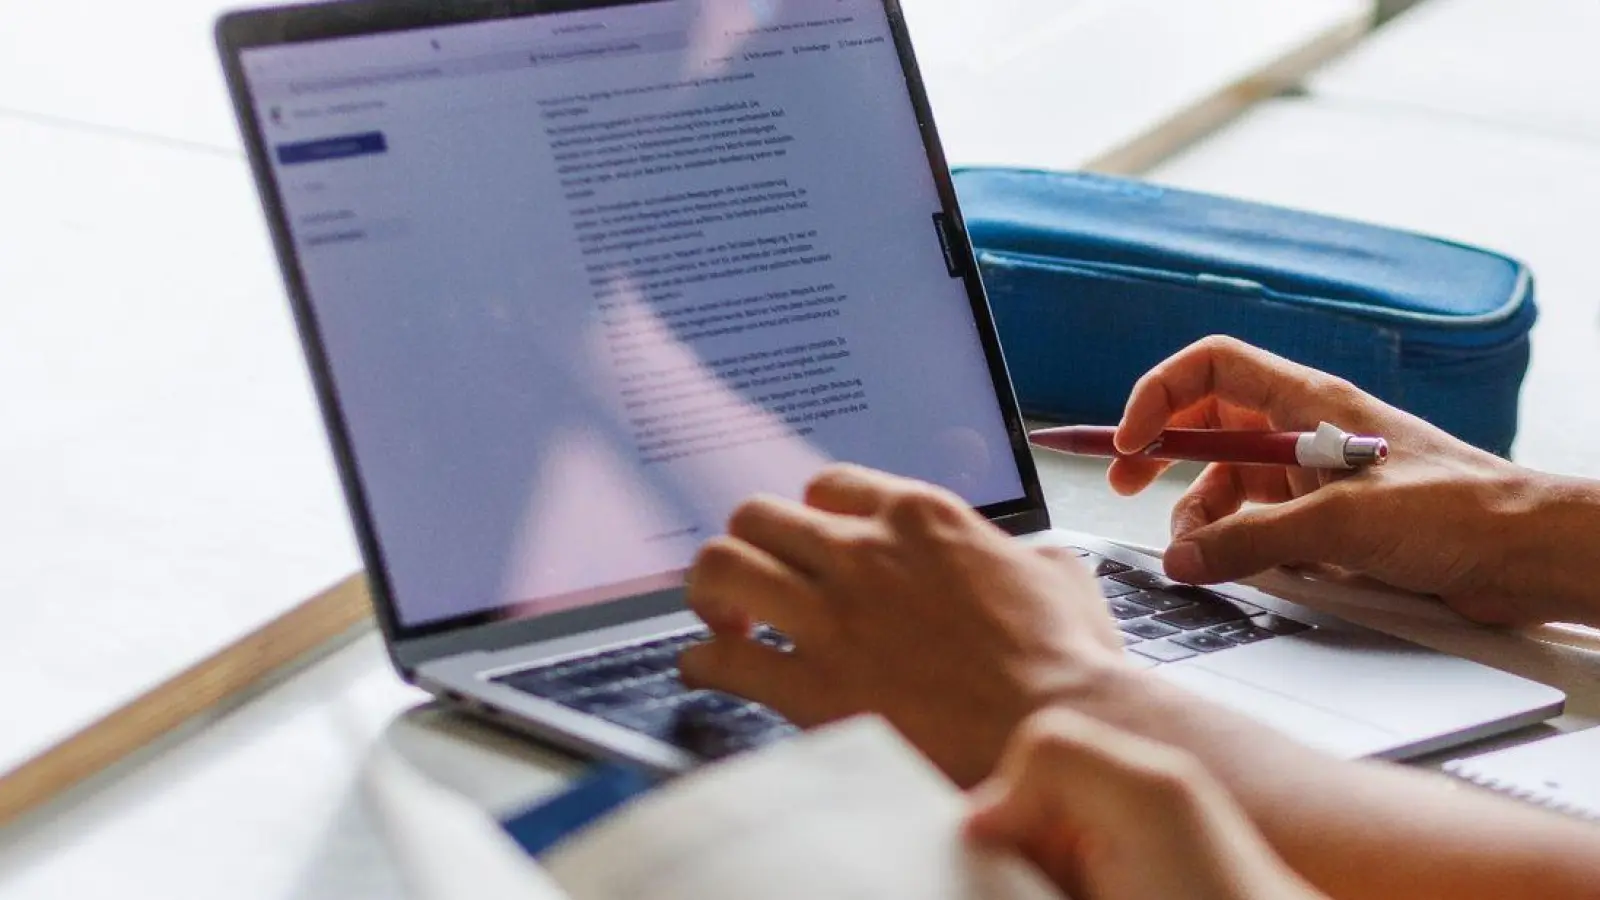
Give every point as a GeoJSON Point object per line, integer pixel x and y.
{"type": "Point", "coordinates": [585, 281]}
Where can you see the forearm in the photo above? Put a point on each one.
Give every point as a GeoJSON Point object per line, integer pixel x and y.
{"type": "Point", "coordinates": [1552, 548]}
{"type": "Point", "coordinates": [1368, 830]}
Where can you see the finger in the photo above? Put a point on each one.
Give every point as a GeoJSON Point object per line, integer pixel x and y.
{"type": "Point", "coordinates": [795, 535]}
{"type": "Point", "coordinates": [1230, 370]}
{"type": "Point", "coordinates": [1064, 769]}
{"type": "Point", "coordinates": [1218, 492]}
{"type": "Point", "coordinates": [1311, 529]}
{"type": "Point", "coordinates": [1061, 555]}
{"type": "Point", "coordinates": [754, 671]}
{"type": "Point", "coordinates": [733, 585]}
{"type": "Point", "coordinates": [1004, 812]}
{"type": "Point", "coordinates": [1223, 489]}
{"type": "Point", "coordinates": [1022, 794]}
{"type": "Point", "coordinates": [851, 490]}
{"type": "Point", "coordinates": [1083, 799]}
{"type": "Point", "coordinates": [1130, 475]}
{"type": "Point", "coordinates": [1133, 475]}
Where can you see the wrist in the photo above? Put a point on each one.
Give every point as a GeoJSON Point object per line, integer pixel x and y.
{"type": "Point", "coordinates": [1143, 703]}
{"type": "Point", "coordinates": [1550, 540]}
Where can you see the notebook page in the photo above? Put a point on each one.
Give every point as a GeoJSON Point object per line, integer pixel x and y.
{"type": "Point", "coordinates": [1561, 772]}
{"type": "Point", "coordinates": [850, 811]}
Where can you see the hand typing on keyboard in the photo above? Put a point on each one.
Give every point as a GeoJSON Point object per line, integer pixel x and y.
{"type": "Point", "coordinates": [902, 600]}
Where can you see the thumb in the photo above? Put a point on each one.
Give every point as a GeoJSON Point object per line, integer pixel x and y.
{"type": "Point", "coordinates": [1310, 529]}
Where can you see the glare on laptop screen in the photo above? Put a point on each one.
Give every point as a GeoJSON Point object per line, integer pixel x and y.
{"type": "Point", "coordinates": [586, 281]}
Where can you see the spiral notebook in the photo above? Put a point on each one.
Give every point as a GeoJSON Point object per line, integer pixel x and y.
{"type": "Point", "coordinates": [1562, 773]}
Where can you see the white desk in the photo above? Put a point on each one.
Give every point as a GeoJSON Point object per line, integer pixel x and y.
{"type": "Point", "coordinates": [167, 485]}
{"type": "Point", "coordinates": [1074, 83]}
{"type": "Point", "coordinates": [136, 68]}
{"type": "Point", "coordinates": [1526, 66]}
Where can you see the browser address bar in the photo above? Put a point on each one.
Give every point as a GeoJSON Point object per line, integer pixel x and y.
{"type": "Point", "coordinates": [531, 58]}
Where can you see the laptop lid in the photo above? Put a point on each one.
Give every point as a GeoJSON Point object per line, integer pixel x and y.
{"type": "Point", "coordinates": [576, 278]}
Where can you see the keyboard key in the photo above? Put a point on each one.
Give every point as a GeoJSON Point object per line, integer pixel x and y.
{"type": "Point", "coordinates": [547, 683]}
{"type": "Point", "coordinates": [1149, 629]}
{"type": "Point", "coordinates": [603, 699]}
{"type": "Point", "coordinates": [1104, 567]}
{"type": "Point", "coordinates": [1279, 625]}
{"type": "Point", "coordinates": [1136, 661]}
{"type": "Point", "coordinates": [1201, 595]}
{"type": "Point", "coordinates": [1201, 616]}
{"type": "Point", "coordinates": [1129, 640]}
{"type": "Point", "coordinates": [1162, 651]}
{"type": "Point", "coordinates": [590, 677]}
{"type": "Point", "coordinates": [1229, 629]}
{"type": "Point", "coordinates": [1145, 581]}
{"type": "Point", "coordinates": [1249, 609]}
{"type": "Point", "coordinates": [1123, 608]}
{"type": "Point", "coordinates": [753, 720]}
{"type": "Point", "coordinates": [639, 668]}
{"type": "Point", "coordinates": [1250, 635]}
{"type": "Point", "coordinates": [1112, 588]}
{"type": "Point", "coordinates": [659, 722]}
{"type": "Point", "coordinates": [1204, 642]}
{"type": "Point", "coordinates": [659, 688]}
{"type": "Point", "coordinates": [1160, 601]}
{"type": "Point", "coordinates": [661, 657]}
{"type": "Point", "coordinates": [711, 704]}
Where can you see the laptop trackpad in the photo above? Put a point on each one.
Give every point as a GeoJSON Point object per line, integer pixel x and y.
{"type": "Point", "coordinates": [1323, 729]}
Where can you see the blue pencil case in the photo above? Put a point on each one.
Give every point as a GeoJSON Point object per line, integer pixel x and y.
{"type": "Point", "coordinates": [1094, 280]}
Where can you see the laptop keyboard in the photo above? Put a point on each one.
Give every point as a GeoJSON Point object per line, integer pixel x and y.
{"type": "Point", "coordinates": [637, 686]}
{"type": "Point", "coordinates": [1163, 621]}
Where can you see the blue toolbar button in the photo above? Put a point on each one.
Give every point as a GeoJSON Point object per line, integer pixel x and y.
{"type": "Point", "coordinates": [332, 148]}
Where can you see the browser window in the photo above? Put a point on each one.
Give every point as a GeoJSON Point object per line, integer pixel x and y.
{"type": "Point", "coordinates": [587, 281]}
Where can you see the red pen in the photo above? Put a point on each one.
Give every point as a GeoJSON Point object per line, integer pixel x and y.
{"type": "Point", "coordinates": [1326, 448]}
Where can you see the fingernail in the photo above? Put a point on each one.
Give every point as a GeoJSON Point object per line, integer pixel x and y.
{"type": "Point", "coordinates": [1122, 444]}
{"type": "Point", "coordinates": [1185, 562]}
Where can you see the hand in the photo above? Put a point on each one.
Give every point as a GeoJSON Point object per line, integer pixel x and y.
{"type": "Point", "coordinates": [1442, 518]}
{"type": "Point", "coordinates": [902, 601]}
{"type": "Point", "coordinates": [1109, 816]}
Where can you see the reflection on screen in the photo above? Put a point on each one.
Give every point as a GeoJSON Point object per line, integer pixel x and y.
{"type": "Point", "coordinates": [587, 281]}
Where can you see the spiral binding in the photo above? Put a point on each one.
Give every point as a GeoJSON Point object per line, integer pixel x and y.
{"type": "Point", "coordinates": [1462, 769]}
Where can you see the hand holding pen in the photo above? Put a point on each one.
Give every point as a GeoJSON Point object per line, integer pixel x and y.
{"type": "Point", "coordinates": [1439, 518]}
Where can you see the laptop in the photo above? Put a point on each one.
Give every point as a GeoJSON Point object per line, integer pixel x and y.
{"type": "Point", "coordinates": [574, 279]}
